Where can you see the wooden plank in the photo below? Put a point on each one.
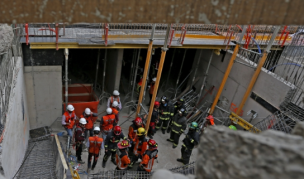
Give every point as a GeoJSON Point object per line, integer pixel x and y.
{"type": "Point", "coordinates": [65, 166]}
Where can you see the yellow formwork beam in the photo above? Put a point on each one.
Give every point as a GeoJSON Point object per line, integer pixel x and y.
{"type": "Point", "coordinates": [75, 45]}
{"type": "Point", "coordinates": [243, 123]}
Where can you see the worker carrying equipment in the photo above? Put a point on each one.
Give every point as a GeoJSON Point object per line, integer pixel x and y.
{"type": "Point", "coordinates": [122, 157]}
{"type": "Point", "coordinates": [166, 112]}
{"type": "Point", "coordinates": [177, 106]}
{"type": "Point", "coordinates": [111, 141]}
{"type": "Point", "coordinates": [191, 139]}
{"type": "Point", "coordinates": [68, 120]}
{"type": "Point", "coordinates": [148, 157]}
{"type": "Point", "coordinates": [154, 120]}
{"type": "Point", "coordinates": [88, 115]}
{"type": "Point", "coordinates": [115, 111]}
{"type": "Point", "coordinates": [141, 145]}
{"type": "Point", "coordinates": [106, 124]}
{"type": "Point", "coordinates": [94, 145]}
{"type": "Point", "coordinates": [113, 98]}
{"type": "Point", "coordinates": [178, 125]}
{"type": "Point", "coordinates": [79, 137]}
{"type": "Point", "coordinates": [137, 123]}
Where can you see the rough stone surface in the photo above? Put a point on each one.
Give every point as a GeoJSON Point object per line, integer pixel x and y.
{"type": "Point", "coordinates": [299, 129]}
{"type": "Point", "coordinates": [6, 37]}
{"type": "Point", "coordinates": [224, 153]}
{"type": "Point", "coordinates": [166, 174]}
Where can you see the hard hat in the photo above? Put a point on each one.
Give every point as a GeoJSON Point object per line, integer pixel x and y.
{"type": "Point", "coordinates": [115, 104]}
{"type": "Point", "coordinates": [156, 103]}
{"type": "Point", "coordinates": [87, 111]}
{"type": "Point", "coordinates": [82, 121]}
{"type": "Point", "coordinates": [193, 125]}
{"type": "Point", "coordinates": [70, 107]}
{"type": "Point", "coordinates": [232, 127]}
{"type": "Point", "coordinates": [109, 111]}
{"type": "Point", "coordinates": [152, 144]}
{"type": "Point", "coordinates": [154, 79]}
{"type": "Point", "coordinates": [123, 144]}
{"type": "Point", "coordinates": [138, 121]}
{"type": "Point", "coordinates": [181, 111]}
{"type": "Point", "coordinates": [210, 119]}
{"type": "Point", "coordinates": [117, 130]}
{"type": "Point", "coordinates": [164, 98]}
{"type": "Point", "coordinates": [141, 131]}
{"type": "Point", "coordinates": [181, 100]}
{"type": "Point", "coordinates": [96, 128]}
{"type": "Point", "coordinates": [115, 92]}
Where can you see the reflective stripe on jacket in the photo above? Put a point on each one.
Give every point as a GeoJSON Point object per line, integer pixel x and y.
{"type": "Point", "coordinates": [69, 119]}
{"type": "Point", "coordinates": [148, 159]}
{"type": "Point", "coordinates": [95, 144]}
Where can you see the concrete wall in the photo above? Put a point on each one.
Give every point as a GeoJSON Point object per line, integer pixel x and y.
{"type": "Point", "coordinates": [44, 93]}
{"type": "Point", "coordinates": [267, 87]}
{"type": "Point", "coordinates": [16, 134]}
{"type": "Point", "coordinates": [113, 69]}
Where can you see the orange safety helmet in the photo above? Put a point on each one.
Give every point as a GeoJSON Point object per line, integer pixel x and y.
{"type": "Point", "coordinates": [138, 121]}
{"type": "Point", "coordinates": [117, 130]}
{"type": "Point", "coordinates": [123, 144]}
{"type": "Point", "coordinates": [210, 119]}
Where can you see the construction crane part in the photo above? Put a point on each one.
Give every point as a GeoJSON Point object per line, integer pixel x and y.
{"type": "Point", "coordinates": [243, 123]}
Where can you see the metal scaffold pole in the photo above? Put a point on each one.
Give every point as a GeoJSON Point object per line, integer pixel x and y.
{"type": "Point", "coordinates": [66, 54]}
{"type": "Point", "coordinates": [160, 68]}
{"type": "Point", "coordinates": [172, 60]}
{"type": "Point", "coordinates": [258, 70]}
{"type": "Point", "coordinates": [235, 52]}
{"type": "Point", "coordinates": [97, 66]}
{"type": "Point", "coordinates": [144, 79]}
{"type": "Point", "coordinates": [205, 76]}
{"type": "Point", "coordinates": [104, 73]}
{"type": "Point", "coordinates": [179, 73]}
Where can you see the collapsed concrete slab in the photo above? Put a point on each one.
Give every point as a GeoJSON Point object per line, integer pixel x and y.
{"type": "Point", "coordinates": [224, 153]}
{"type": "Point", "coordinates": [299, 129]}
{"type": "Point", "coordinates": [6, 37]}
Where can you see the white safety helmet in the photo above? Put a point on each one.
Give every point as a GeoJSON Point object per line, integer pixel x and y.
{"type": "Point", "coordinates": [115, 104]}
{"type": "Point", "coordinates": [70, 107]}
{"type": "Point", "coordinates": [154, 79]}
{"type": "Point", "coordinates": [116, 93]}
{"type": "Point", "coordinates": [109, 111]}
{"type": "Point", "coordinates": [82, 121]}
{"type": "Point", "coordinates": [87, 111]}
{"type": "Point", "coordinates": [96, 128]}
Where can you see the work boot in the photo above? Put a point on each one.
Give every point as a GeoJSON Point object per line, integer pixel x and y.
{"type": "Point", "coordinates": [92, 168]}
{"type": "Point", "coordinates": [104, 164]}
{"type": "Point", "coordinates": [174, 146]}
{"type": "Point", "coordinates": [180, 160]}
{"type": "Point", "coordinates": [168, 129]}
{"type": "Point", "coordinates": [89, 165]}
{"type": "Point", "coordinates": [113, 161]}
{"type": "Point", "coordinates": [164, 131]}
{"type": "Point", "coordinates": [80, 161]}
{"type": "Point", "coordinates": [170, 140]}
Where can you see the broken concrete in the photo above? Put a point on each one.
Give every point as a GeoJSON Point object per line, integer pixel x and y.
{"type": "Point", "coordinates": [299, 129]}
{"type": "Point", "coordinates": [224, 153]}
{"type": "Point", "coordinates": [166, 174]}
{"type": "Point", "coordinates": [6, 37]}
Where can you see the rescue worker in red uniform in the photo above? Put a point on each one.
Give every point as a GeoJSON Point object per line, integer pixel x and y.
{"type": "Point", "coordinates": [113, 98]}
{"type": "Point", "coordinates": [209, 121]}
{"type": "Point", "coordinates": [106, 124]}
{"type": "Point", "coordinates": [151, 89]}
{"type": "Point", "coordinates": [68, 120]}
{"type": "Point", "coordinates": [154, 120]}
{"type": "Point", "coordinates": [111, 144]}
{"type": "Point", "coordinates": [137, 123]}
{"type": "Point", "coordinates": [122, 157]}
{"type": "Point", "coordinates": [115, 111]}
{"type": "Point", "coordinates": [88, 115]}
{"type": "Point", "coordinates": [141, 145]}
{"type": "Point", "coordinates": [94, 145]}
{"type": "Point", "coordinates": [79, 138]}
{"type": "Point", "coordinates": [148, 157]}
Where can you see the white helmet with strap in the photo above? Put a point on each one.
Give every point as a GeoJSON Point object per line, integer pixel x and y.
{"type": "Point", "coordinates": [115, 104]}
{"type": "Point", "coordinates": [109, 111]}
{"type": "Point", "coordinates": [87, 111]}
{"type": "Point", "coordinates": [82, 121]}
{"type": "Point", "coordinates": [70, 107]}
{"type": "Point", "coordinates": [96, 128]}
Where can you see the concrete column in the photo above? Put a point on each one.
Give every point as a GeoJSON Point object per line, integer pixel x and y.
{"type": "Point", "coordinates": [113, 69]}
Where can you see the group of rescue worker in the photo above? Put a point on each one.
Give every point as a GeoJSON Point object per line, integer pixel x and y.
{"type": "Point", "coordinates": [125, 151]}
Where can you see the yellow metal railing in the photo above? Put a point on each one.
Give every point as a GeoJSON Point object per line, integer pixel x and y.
{"type": "Point", "coordinates": [243, 123]}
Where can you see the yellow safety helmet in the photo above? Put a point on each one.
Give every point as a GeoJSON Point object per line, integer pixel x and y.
{"type": "Point", "coordinates": [141, 131]}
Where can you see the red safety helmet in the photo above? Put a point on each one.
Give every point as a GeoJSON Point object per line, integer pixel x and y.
{"type": "Point", "coordinates": [156, 103]}
{"type": "Point", "coordinates": [210, 119]}
{"type": "Point", "coordinates": [123, 144]}
{"type": "Point", "coordinates": [117, 130]}
{"type": "Point", "coordinates": [152, 144]}
{"type": "Point", "coordinates": [138, 121]}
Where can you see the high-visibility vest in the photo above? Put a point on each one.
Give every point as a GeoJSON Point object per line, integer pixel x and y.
{"type": "Point", "coordinates": [112, 100]}
{"type": "Point", "coordinates": [149, 155]}
{"type": "Point", "coordinates": [69, 119]}
{"type": "Point", "coordinates": [108, 121]}
{"type": "Point", "coordinates": [95, 144]}
{"type": "Point", "coordinates": [90, 122]}
{"type": "Point", "coordinates": [122, 160]}
{"type": "Point", "coordinates": [140, 146]}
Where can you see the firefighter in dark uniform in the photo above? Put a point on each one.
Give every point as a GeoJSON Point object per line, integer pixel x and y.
{"type": "Point", "coordinates": [166, 112]}
{"type": "Point", "coordinates": [112, 139]}
{"type": "Point", "coordinates": [178, 125]}
{"type": "Point", "coordinates": [154, 120]}
{"type": "Point", "coordinates": [177, 106]}
{"type": "Point", "coordinates": [191, 139]}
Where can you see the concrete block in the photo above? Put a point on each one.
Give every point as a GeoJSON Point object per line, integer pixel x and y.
{"type": "Point", "coordinates": [299, 129]}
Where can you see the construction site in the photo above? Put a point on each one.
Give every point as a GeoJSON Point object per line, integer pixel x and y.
{"type": "Point", "coordinates": [247, 76]}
